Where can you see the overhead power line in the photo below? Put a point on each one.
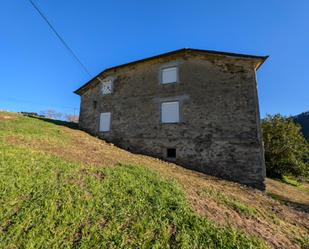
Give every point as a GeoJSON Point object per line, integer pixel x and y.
{"type": "Point", "coordinates": [60, 38]}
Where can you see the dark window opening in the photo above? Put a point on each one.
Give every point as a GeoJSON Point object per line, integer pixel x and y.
{"type": "Point", "coordinates": [171, 153]}
{"type": "Point", "coordinates": [95, 103]}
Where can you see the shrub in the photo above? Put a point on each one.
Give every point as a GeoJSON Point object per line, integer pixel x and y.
{"type": "Point", "coordinates": [286, 150]}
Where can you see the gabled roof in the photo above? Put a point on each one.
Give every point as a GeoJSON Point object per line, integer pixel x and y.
{"type": "Point", "coordinates": [261, 58]}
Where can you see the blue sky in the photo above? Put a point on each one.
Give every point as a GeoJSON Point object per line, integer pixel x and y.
{"type": "Point", "coordinates": [38, 73]}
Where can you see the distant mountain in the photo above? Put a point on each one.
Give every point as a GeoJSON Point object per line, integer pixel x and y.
{"type": "Point", "coordinates": [303, 120]}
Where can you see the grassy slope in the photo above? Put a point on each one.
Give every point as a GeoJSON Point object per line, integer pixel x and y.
{"type": "Point", "coordinates": [60, 187]}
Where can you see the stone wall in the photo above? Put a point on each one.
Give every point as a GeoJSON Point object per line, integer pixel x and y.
{"type": "Point", "coordinates": [219, 132]}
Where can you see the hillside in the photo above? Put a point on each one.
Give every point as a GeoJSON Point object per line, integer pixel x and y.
{"type": "Point", "coordinates": [303, 120]}
{"type": "Point", "coordinates": [62, 188]}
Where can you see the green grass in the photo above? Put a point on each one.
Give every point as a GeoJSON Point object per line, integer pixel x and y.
{"type": "Point", "coordinates": [291, 181]}
{"type": "Point", "coordinates": [32, 129]}
{"type": "Point", "coordinates": [303, 242]}
{"type": "Point", "coordinates": [49, 203]}
{"type": "Point", "coordinates": [229, 202]}
{"type": "Point", "coordinates": [46, 202]}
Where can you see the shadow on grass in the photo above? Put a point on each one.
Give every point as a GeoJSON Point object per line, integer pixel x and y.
{"type": "Point", "coordinates": [298, 206]}
{"type": "Point", "coordinates": [71, 125]}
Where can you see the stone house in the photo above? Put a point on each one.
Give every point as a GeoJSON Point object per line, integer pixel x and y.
{"type": "Point", "coordinates": [197, 108]}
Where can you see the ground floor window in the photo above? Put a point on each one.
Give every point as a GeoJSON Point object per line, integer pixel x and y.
{"type": "Point", "coordinates": [105, 121]}
{"type": "Point", "coordinates": [170, 112]}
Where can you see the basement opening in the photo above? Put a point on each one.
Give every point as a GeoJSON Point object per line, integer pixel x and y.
{"type": "Point", "coordinates": [171, 152]}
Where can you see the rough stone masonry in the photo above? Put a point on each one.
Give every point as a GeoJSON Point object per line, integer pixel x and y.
{"type": "Point", "coordinates": [206, 118]}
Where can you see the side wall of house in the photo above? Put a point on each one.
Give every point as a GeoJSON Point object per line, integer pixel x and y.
{"type": "Point", "coordinates": [219, 130]}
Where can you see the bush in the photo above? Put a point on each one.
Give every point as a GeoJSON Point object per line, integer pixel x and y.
{"type": "Point", "coordinates": [286, 150]}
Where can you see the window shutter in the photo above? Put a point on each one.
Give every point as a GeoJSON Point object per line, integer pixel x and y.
{"type": "Point", "coordinates": [170, 112]}
{"type": "Point", "coordinates": [169, 75]}
{"type": "Point", "coordinates": [105, 121]}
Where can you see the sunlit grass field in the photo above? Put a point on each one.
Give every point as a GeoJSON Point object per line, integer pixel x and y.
{"type": "Point", "coordinates": [48, 202]}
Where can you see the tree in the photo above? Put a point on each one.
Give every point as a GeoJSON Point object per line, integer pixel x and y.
{"type": "Point", "coordinates": [71, 118]}
{"type": "Point", "coordinates": [286, 149]}
{"type": "Point", "coordinates": [52, 114]}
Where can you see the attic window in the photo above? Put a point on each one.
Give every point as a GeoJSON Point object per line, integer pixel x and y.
{"type": "Point", "coordinates": [107, 87]}
{"type": "Point", "coordinates": [171, 152]}
{"type": "Point", "coordinates": [169, 75]}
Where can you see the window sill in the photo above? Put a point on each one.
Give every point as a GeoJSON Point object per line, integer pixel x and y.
{"type": "Point", "coordinates": [171, 123]}
{"type": "Point", "coordinates": [169, 83]}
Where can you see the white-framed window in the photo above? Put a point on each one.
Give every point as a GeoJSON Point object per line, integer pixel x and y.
{"type": "Point", "coordinates": [107, 87]}
{"type": "Point", "coordinates": [105, 121]}
{"type": "Point", "coordinates": [170, 112]}
{"type": "Point", "coordinates": [169, 75]}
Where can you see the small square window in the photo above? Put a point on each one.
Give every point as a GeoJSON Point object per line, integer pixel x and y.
{"type": "Point", "coordinates": [171, 152]}
{"type": "Point", "coordinates": [170, 112]}
{"type": "Point", "coordinates": [105, 121]}
{"type": "Point", "coordinates": [95, 104]}
{"type": "Point", "coordinates": [107, 87]}
{"type": "Point", "coordinates": [169, 75]}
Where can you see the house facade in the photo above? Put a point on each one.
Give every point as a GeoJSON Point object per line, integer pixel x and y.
{"type": "Point", "coordinates": [197, 108]}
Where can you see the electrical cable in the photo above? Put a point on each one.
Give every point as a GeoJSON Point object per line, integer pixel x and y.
{"type": "Point", "coordinates": [66, 45]}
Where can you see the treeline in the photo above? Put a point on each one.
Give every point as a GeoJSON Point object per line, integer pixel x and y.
{"type": "Point", "coordinates": [52, 114]}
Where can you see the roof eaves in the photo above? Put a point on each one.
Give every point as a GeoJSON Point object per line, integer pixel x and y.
{"type": "Point", "coordinates": [264, 58]}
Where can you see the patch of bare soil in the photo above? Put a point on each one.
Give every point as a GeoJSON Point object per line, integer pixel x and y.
{"type": "Point", "coordinates": [277, 223]}
{"type": "Point", "coordinates": [289, 194]}
{"type": "Point", "coordinates": [6, 117]}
